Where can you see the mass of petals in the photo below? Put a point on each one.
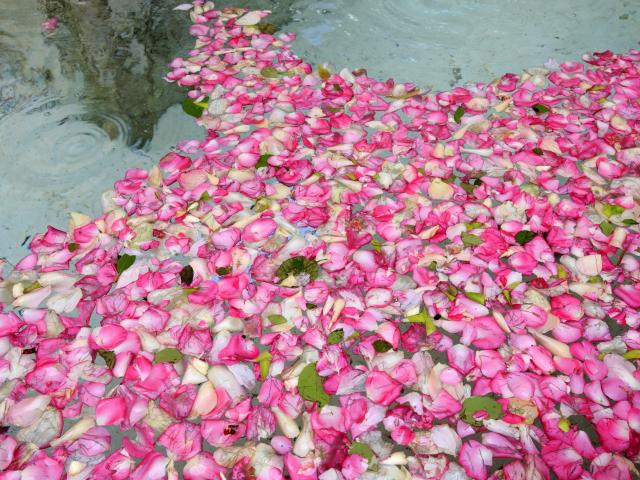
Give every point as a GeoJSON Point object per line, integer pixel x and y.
{"type": "Point", "coordinates": [345, 279]}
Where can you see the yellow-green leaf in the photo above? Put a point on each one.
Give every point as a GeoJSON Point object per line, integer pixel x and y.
{"type": "Point", "coordinates": [473, 225]}
{"type": "Point", "coordinates": [451, 292]}
{"type": "Point", "coordinates": [264, 361]}
{"type": "Point", "coordinates": [507, 296]}
{"type": "Point", "coordinates": [475, 296]}
{"type": "Point", "coordinates": [610, 210]}
{"type": "Point", "coordinates": [32, 287]}
{"type": "Point", "coordinates": [168, 355]}
{"type": "Point", "coordinates": [470, 240]}
{"type": "Point", "coordinates": [377, 246]}
{"type": "Point", "coordinates": [632, 355]}
{"type": "Point", "coordinates": [562, 273]}
{"type": "Point", "coordinates": [277, 319]}
{"type": "Point", "coordinates": [564, 424]}
{"type": "Point", "coordinates": [269, 72]}
{"type": "Point", "coordinates": [423, 317]}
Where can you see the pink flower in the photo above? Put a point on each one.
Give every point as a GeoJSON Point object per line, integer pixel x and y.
{"type": "Point", "coordinates": [614, 434]}
{"type": "Point", "coordinates": [50, 25]}
{"type": "Point", "coordinates": [182, 440]}
{"type": "Point", "coordinates": [475, 458]}
{"type": "Point", "coordinates": [111, 411]}
{"type": "Point", "coordinates": [259, 230]}
{"type": "Point", "coordinates": [381, 388]}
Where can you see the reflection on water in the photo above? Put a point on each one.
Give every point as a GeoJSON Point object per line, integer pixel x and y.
{"type": "Point", "coordinates": [82, 104]}
{"type": "Point", "coordinates": [442, 43]}
{"type": "Point", "coordinates": [57, 157]}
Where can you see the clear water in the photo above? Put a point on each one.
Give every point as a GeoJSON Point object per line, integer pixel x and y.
{"type": "Point", "coordinates": [81, 105]}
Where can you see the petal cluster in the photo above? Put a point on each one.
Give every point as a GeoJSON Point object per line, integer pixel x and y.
{"type": "Point", "coordinates": [346, 279]}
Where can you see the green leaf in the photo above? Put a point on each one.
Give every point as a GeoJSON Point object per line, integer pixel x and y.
{"type": "Point", "coordinates": [538, 151]}
{"type": "Point", "coordinates": [433, 266]}
{"type": "Point", "coordinates": [540, 108]}
{"type": "Point", "coordinates": [277, 319]}
{"type": "Point", "coordinates": [108, 356]}
{"type": "Point", "coordinates": [205, 197]}
{"type": "Point", "coordinates": [194, 109]}
{"type": "Point", "coordinates": [467, 187]}
{"type": "Point", "coordinates": [381, 346]}
{"type": "Point", "coordinates": [507, 296]}
{"type": "Point", "coordinates": [262, 162]}
{"type": "Point", "coordinates": [421, 317]}
{"type": "Point", "coordinates": [475, 296]}
{"type": "Point", "coordinates": [269, 72]}
{"type": "Point", "coordinates": [189, 291]}
{"type": "Point", "coordinates": [168, 355]}
{"type": "Point", "coordinates": [470, 240]}
{"type": "Point", "coordinates": [311, 306]}
{"type": "Point", "coordinates": [564, 424]}
{"type": "Point", "coordinates": [473, 405]}
{"type": "Point", "coordinates": [72, 247]}
{"type": "Point", "coordinates": [596, 88]}
{"type": "Point", "coordinates": [606, 227]}
{"type": "Point", "coordinates": [377, 246]}
{"type": "Point", "coordinates": [222, 271]}
{"type": "Point", "coordinates": [264, 361]}
{"type": "Point", "coordinates": [124, 262]}
{"type": "Point", "coordinates": [430, 326]}
{"type": "Point", "coordinates": [609, 210]}
{"type": "Point", "coordinates": [629, 221]}
{"type": "Point", "coordinates": [450, 179]}
{"type": "Point", "coordinates": [525, 236]}
{"type": "Point", "coordinates": [363, 450]}
{"type": "Point", "coordinates": [457, 116]}
{"type": "Point", "coordinates": [451, 292]}
{"type": "Point", "coordinates": [32, 287]}
{"type": "Point", "coordinates": [186, 275]}
{"type": "Point", "coordinates": [473, 225]}
{"type": "Point", "coordinates": [268, 28]}
{"type": "Point", "coordinates": [310, 386]}
{"type": "Point", "coordinates": [323, 72]}
{"type": "Point", "coordinates": [298, 265]}
{"type": "Point", "coordinates": [632, 355]}
{"type": "Point", "coordinates": [335, 337]}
